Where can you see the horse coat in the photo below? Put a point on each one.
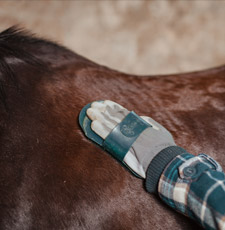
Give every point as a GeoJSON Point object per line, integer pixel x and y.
{"type": "Point", "coordinates": [51, 176]}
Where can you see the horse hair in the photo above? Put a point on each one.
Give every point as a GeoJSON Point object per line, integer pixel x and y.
{"type": "Point", "coordinates": [14, 51]}
{"type": "Point", "coordinates": [51, 176]}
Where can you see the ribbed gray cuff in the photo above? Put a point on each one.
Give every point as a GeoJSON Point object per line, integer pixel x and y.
{"type": "Point", "coordinates": [158, 164]}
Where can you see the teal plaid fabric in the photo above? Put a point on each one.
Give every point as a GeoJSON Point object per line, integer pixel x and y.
{"type": "Point", "coordinates": [195, 186]}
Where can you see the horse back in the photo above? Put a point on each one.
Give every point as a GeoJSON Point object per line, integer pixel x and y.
{"type": "Point", "coordinates": [52, 177]}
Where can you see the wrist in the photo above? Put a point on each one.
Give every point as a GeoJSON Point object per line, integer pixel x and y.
{"type": "Point", "coordinates": [154, 151]}
{"type": "Point", "coordinates": [158, 164]}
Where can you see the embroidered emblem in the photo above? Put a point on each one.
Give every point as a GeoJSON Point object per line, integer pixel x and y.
{"type": "Point", "coordinates": [128, 130]}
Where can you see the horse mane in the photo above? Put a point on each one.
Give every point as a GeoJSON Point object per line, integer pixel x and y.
{"type": "Point", "coordinates": [16, 49]}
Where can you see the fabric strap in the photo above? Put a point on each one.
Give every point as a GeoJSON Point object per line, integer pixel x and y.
{"type": "Point", "coordinates": [122, 137]}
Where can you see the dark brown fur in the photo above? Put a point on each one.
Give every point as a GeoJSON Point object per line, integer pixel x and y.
{"type": "Point", "coordinates": [52, 177]}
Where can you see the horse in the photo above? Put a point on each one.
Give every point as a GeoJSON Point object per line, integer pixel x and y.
{"type": "Point", "coordinates": [51, 175]}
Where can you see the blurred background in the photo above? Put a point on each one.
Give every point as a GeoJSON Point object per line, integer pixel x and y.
{"type": "Point", "coordinates": [140, 37]}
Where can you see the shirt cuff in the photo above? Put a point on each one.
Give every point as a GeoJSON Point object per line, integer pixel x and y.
{"type": "Point", "coordinates": [158, 164]}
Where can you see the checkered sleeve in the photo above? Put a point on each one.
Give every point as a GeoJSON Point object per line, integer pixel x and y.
{"type": "Point", "coordinates": [195, 187]}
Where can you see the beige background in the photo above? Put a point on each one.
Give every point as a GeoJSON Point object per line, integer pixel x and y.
{"type": "Point", "coordinates": [142, 37]}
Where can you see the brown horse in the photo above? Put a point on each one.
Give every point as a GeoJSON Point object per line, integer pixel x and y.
{"type": "Point", "coordinates": [51, 176]}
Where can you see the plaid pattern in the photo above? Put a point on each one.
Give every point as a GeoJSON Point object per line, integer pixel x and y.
{"type": "Point", "coordinates": [195, 187]}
